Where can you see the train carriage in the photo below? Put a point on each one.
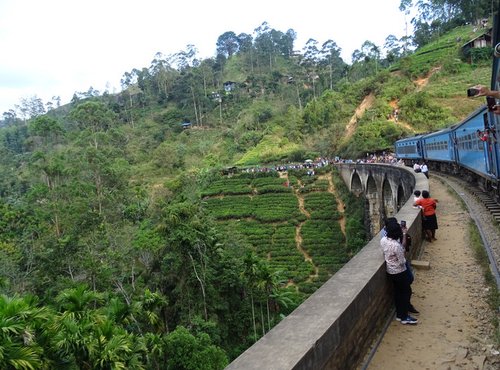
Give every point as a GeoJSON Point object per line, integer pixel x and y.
{"type": "Point", "coordinates": [439, 146]}
{"type": "Point", "coordinates": [472, 145]}
{"type": "Point", "coordinates": [409, 149]}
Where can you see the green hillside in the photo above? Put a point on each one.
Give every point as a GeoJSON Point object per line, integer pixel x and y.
{"type": "Point", "coordinates": [128, 240]}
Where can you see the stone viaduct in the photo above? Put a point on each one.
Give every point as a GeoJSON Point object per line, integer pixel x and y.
{"type": "Point", "coordinates": [335, 327]}
{"type": "Point", "coordinates": [385, 188]}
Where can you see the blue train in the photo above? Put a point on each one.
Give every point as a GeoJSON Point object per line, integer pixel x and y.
{"type": "Point", "coordinates": [470, 148]}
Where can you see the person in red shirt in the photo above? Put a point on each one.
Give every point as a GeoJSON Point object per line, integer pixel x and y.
{"type": "Point", "coordinates": [428, 205]}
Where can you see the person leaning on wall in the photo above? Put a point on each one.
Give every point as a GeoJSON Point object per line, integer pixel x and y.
{"type": "Point", "coordinates": [429, 224]}
{"type": "Point", "coordinates": [396, 268]}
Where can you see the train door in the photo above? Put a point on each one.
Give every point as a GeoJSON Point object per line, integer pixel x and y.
{"type": "Point", "coordinates": [454, 145]}
{"type": "Point", "coordinates": [491, 124]}
{"type": "Point", "coordinates": [487, 140]}
{"type": "Point", "coordinates": [420, 151]}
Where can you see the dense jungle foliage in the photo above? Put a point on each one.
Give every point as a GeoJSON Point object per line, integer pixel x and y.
{"type": "Point", "coordinates": [128, 239]}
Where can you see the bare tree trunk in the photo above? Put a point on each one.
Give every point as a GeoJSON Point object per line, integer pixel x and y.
{"type": "Point", "coordinates": [194, 104]}
{"type": "Point", "coordinates": [220, 110]}
{"type": "Point", "coordinates": [253, 319]}
{"type": "Point", "coordinates": [298, 96]}
{"type": "Point", "coordinates": [131, 118]}
{"type": "Point", "coordinates": [331, 77]}
{"type": "Point", "coordinates": [70, 270]}
{"type": "Point", "coordinates": [262, 320]}
{"type": "Point", "coordinates": [268, 316]}
{"type": "Point", "coordinates": [132, 277]}
{"type": "Point", "coordinates": [98, 188]}
{"type": "Point", "coordinates": [202, 287]}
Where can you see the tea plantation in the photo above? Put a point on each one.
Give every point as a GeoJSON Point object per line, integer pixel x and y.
{"type": "Point", "coordinates": [306, 227]}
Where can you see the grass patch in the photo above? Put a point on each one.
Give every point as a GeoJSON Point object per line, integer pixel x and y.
{"type": "Point", "coordinates": [483, 261]}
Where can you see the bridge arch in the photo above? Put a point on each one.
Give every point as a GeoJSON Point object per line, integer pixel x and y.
{"type": "Point", "coordinates": [400, 197]}
{"type": "Point", "coordinates": [356, 185]}
{"type": "Point", "coordinates": [372, 198]}
{"type": "Point", "coordinates": [388, 208]}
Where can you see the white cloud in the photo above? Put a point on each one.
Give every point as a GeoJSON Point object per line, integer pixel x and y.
{"type": "Point", "coordinates": [57, 47]}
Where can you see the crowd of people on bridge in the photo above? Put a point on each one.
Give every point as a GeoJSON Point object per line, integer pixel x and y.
{"type": "Point", "coordinates": [384, 157]}
{"type": "Point", "coordinates": [320, 162]}
{"type": "Point", "coordinates": [308, 165]}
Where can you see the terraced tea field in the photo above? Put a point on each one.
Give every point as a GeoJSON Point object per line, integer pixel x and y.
{"type": "Point", "coordinates": [294, 221]}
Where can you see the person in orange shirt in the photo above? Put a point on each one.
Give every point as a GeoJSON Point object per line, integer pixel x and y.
{"type": "Point", "coordinates": [428, 205]}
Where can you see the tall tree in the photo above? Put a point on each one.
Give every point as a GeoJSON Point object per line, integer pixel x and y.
{"type": "Point", "coordinates": [331, 59]}
{"type": "Point", "coordinates": [95, 117]}
{"type": "Point", "coordinates": [227, 44]}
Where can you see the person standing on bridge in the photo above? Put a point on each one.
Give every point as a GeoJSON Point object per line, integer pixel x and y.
{"type": "Point", "coordinates": [424, 169]}
{"type": "Point", "coordinates": [430, 224]}
{"type": "Point", "coordinates": [394, 255]}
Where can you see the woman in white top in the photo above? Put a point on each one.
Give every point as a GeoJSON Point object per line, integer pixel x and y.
{"type": "Point", "coordinates": [394, 255]}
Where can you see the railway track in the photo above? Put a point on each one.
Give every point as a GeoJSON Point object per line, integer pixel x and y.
{"type": "Point", "coordinates": [491, 205]}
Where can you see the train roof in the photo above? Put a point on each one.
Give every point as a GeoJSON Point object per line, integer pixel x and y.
{"type": "Point", "coordinates": [440, 132]}
{"type": "Point", "coordinates": [410, 138]}
{"type": "Point", "coordinates": [482, 109]}
{"type": "Point", "coordinates": [423, 135]}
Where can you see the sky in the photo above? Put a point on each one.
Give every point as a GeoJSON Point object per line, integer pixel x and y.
{"type": "Point", "coordinates": [56, 47]}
